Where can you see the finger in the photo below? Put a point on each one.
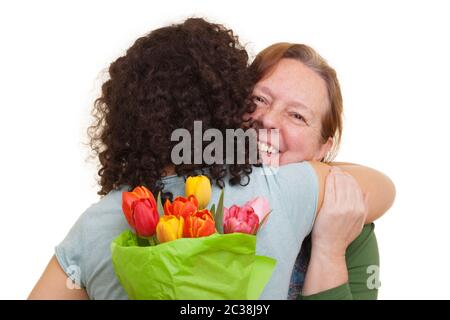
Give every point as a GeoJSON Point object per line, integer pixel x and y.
{"type": "Point", "coordinates": [330, 188]}
{"type": "Point", "coordinates": [366, 203]}
{"type": "Point", "coordinates": [360, 208]}
{"type": "Point", "coordinates": [348, 191]}
{"type": "Point", "coordinates": [343, 190]}
{"type": "Point", "coordinates": [357, 190]}
{"type": "Point", "coordinates": [354, 191]}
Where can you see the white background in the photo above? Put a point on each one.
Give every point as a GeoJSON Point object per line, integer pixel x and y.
{"type": "Point", "coordinates": [392, 58]}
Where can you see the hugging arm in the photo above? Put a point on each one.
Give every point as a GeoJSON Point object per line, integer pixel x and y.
{"type": "Point", "coordinates": [336, 269]}
{"type": "Point", "coordinates": [379, 188]}
{"type": "Point", "coordinates": [359, 268]}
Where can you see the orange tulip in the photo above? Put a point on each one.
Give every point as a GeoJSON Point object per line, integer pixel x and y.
{"type": "Point", "coordinates": [181, 206]}
{"type": "Point", "coordinates": [140, 209]}
{"type": "Point", "coordinates": [199, 224]}
{"type": "Point", "coordinates": [169, 228]}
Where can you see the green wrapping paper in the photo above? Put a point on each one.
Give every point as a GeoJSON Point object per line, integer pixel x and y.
{"type": "Point", "coordinates": [220, 266]}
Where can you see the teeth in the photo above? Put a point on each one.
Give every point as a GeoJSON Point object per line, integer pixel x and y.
{"type": "Point", "coordinates": [263, 147]}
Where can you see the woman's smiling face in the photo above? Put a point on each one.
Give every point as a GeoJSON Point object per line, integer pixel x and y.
{"type": "Point", "coordinates": [292, 99]}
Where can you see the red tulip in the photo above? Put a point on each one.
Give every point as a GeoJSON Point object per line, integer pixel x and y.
{"type": "Point", "coordinates": [140, 209]}
{"type": "Point", "coordinates": [240, 219]}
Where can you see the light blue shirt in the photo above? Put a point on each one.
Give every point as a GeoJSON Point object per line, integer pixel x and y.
{"type": "Point", "coordinates": [291, 190]}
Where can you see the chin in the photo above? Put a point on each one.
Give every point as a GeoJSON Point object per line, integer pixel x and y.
{"type": "Point", "coordinates": [290, 157]}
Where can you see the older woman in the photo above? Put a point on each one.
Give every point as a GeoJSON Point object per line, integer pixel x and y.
{"type": "Point", "coordinates": [297, 94]}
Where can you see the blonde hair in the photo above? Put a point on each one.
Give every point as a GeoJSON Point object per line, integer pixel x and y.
{"type": "Point", "coordinates": [332, 120]}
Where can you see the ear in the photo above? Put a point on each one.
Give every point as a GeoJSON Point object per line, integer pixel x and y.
{"type": "Point", "coordinates": [323, 150]}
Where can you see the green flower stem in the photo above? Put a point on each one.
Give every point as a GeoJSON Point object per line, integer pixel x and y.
{"type": "Point", "coordinates": [142, 242]}
{"type": "Point", "coordinates": [152, 241]}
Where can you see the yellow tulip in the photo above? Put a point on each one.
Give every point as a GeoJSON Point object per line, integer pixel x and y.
{"type": "Point", "coordinates": [169, 228]}
{"type": "Point", "coordinates": [200, 187]}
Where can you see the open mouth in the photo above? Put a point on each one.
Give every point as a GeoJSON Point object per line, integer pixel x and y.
{"type": "Point", "coordinates": [267, 149]}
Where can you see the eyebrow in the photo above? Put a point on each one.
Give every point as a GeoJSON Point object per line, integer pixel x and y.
{"type": "Point", "coordinates": [291, 103]}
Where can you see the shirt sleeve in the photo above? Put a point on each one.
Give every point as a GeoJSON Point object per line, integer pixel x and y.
{"type": "Point", "coordinates": [69, 252]}
{"type": "Point", "coordinates": [85, 254]}
{"type": "Point", "coordinates": [363, 261]}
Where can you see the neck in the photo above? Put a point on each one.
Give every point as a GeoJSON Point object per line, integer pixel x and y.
{"type": "Point", "coordinates": [169, 171]}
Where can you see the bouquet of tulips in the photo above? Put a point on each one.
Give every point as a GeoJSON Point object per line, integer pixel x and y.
{"type": "Point", "coordinates": [183, 251]}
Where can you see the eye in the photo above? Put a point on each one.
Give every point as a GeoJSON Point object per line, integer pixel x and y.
{"type": "Point", "coordinates": [259, 100]}
{"type": "Point", "coordinates": [298, 116]}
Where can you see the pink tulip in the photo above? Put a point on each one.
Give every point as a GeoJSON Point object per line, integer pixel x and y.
{"type": "Point", "coordinates": [261, 207]}
{"type": "Point", "coordinates": [242, 220]}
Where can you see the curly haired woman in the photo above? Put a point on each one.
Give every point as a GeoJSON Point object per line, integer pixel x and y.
{"type": "Point", "coordinates": [193, 71]}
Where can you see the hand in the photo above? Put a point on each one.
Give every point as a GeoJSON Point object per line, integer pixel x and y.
{"type": "Point", "coordinates": [341, 217]}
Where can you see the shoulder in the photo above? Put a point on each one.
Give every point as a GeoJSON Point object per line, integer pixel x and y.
{"type": "Point", "coordinates": [107, 207]}
{"type": "Point", "coordinates": [291, 189]}
{"type": "Point", "coordinates": [110, 202]}
{"type": "Point", "coordinates": [97, 225]}
{"type": "Point", "coordinates": [104, 219]}
{"type": "Point", "coordinates": [295, 185]}
{"type": "Point", "coordinates": [289, 173]}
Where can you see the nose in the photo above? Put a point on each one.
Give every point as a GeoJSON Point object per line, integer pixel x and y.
{"type": "Point", "coordinates": [269, 118]}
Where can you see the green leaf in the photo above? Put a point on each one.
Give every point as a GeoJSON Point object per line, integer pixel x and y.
{"type": "Point", "coordinates": [219, 213]}
{"type": "Point", "coordinates": [159, 205]}
{"type": "Point", "coordinates": [263, 221]}
{"type": "Point", "coordinates": [213, 210]}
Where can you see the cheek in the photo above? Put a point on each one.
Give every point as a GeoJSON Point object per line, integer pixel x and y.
{"type": "Point", "coordinates": [301, 141]}
{"type": "Point", "coordinates": [295, 139]}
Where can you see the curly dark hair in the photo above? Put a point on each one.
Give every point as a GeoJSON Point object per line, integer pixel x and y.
{"type": "Point", "coordinates": [168, 78]}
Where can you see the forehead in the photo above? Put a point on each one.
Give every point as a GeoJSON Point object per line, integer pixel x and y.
{"type": "Point", "coordinates": [291, 81]}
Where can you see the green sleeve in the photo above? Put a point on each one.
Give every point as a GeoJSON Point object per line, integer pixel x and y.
{"type": "Point", "coordinates": [363, 263]}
